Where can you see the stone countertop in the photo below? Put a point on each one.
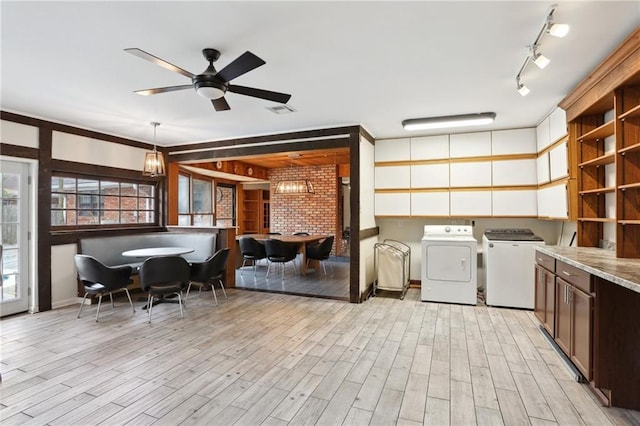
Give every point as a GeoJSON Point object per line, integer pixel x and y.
{"type": "Point", "coordinates": [599, 262]}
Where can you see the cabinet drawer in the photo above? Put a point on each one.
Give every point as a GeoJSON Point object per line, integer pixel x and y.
{"type": "Point", "coordinates": [546, 261]}
{"type": "Point", "coordinates": [574, 276]}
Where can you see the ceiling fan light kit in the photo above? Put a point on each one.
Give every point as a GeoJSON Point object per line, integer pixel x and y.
{"type": "Point", "coordinates": [212, 84]}
{"type": "Point", "coordinates": [551, 28]}
{"type": "Point", "coordinates": [449, 121]}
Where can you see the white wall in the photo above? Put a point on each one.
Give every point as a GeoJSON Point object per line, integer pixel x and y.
{"type": "Point", "coordinates": [64, 286]}
{"type": "Point", "coordinates": [367, 217]}
{"type": "Point", "coordinates": [18, 134]}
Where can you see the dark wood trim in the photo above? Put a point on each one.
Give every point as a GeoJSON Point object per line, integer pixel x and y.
{"type": "Point", "coordinates": [75, 168]}
{"type": "Point", "coordinates": [72, 237]}
{"type": "Point", "coordinates": [238, 142]}
{"type": "Point", "coordinates": [44, 219]}
{"type": "Point", "coordinates": [367, 136]}
{"type": "Point", "coordinates": [260, 150]}
{"type": "Point", "coordinates": [64, 128]}
{"type": "Point", "coordinates": [18, 151]}
{"type": "Point", "coordinates": [354, 223]}
{"type": "Point", "coordinates": [367, 293]}
{"type": "Point", "coordinates": [368, 233]}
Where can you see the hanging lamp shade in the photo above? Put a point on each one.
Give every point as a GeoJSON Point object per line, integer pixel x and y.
{"type": "Point", "coordinates": [295, 186]}
{"type": "Point", "coordinates": [153, 160]}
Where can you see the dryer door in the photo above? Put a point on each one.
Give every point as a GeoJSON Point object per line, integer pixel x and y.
{"type": "Point", "coordinates": [448, 263]}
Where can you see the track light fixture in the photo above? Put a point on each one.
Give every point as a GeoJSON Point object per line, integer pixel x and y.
{"type": "Point", "coordinates": [551, 28]}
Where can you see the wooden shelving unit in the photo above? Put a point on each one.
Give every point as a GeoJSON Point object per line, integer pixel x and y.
{"type": "Point", "coordinates": [603, 114]}
{"type": "Point", "coordinates": [255, 211]}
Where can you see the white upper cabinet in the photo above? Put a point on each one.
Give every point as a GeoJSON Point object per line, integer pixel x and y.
{"type": "Point", "coordinates": [515, 203]}
{"type": "Point", "coordinates": [552, 202]}
{"type": "Point", "coordinates": [516, 141]}
{"type": "Point", "coordinates": [430, 203]}
{"type": "Point", "coordinates": [542, 166]}
{"type": "Point", "coordinates": [557, 124]}
{"type": "Point", "coordinates": [476, 173]}
{"type": "Point", "coordinates": [392, 177]}
{"type": "Point", "coordinates": [430, 176]}
{"type": "Point", "coordinates": [558, 162]}
{"type": "Point", "coordinates": [470, 145]}
{"type": "Point", "coordinates": [393, 150]}
{"type": "Point", "coordinates": [514, 172]}
{"type": "Point", "coordinates": [470, 203]}
{"type": "Point", "coordinates": [542, 135]}
{"type": "Point", "coordinates": [430, 148]}
{"type": "Point", "coordinates": [393, 204]}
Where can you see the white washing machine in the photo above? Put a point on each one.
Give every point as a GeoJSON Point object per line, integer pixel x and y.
{"type": "Point", "coordinates": [509, 264]}
{"type": "Point", "coordinates": [449, 264]}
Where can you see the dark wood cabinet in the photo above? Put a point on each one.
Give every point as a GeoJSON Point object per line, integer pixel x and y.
{"type": "Point", "coordinates": [545, 283]}
{"type": "Point", "coordinates": [574, 316]}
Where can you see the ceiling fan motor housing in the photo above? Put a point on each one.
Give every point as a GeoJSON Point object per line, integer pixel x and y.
{"type": "Point", "coordinates": [208, 84]}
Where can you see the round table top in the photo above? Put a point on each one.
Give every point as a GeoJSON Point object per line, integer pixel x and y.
{"type": "Point", "coordinates": [157, 251]}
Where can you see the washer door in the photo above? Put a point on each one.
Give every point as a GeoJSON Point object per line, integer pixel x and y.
{"type": "Point", "coordinates": [448, 263]}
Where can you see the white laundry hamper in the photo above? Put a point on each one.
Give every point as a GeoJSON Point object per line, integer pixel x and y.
{"type": "Point", "coordinates": [392, 262]}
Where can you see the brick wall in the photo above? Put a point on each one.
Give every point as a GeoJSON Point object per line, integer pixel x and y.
{"type": "Point", "coordinates": [224, 207]}
{"type": "Point", "coordinates": [312, 213]}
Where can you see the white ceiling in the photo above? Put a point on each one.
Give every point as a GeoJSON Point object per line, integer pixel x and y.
{"type": "Point", "coordinates": [345, 63]}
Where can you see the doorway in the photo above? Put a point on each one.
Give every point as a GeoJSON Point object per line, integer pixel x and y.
{"type": "Point", "coordinates": [14, 237]}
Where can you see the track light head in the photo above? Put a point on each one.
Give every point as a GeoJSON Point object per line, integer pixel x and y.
{"type": "Point", "coordinates": [540, 60]}
{"type": "Point", "coordinates": [557, 30]}
{"type": "Point", "coordinates": [521, 88]}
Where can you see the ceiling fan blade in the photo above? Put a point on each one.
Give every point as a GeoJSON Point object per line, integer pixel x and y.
{"type": "Point", "coordinates": [241, 65]}
{"type": "Point", "coordinates": [220, 104]}
{"type": "Point", "coordinates": [149, 57]}
{"type": "Point", "coordinates": [282, 98]}
{"type": "Point", "coordinates": [157, 90]}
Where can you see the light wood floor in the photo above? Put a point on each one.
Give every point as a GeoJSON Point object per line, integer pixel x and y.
{"type": "Point", "coordinates": [274, 359]}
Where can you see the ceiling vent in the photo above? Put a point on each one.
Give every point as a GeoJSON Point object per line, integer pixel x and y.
{"type": "Point", "coordinates": [281, 109]}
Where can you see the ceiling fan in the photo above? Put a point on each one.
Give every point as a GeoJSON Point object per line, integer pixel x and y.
{"type": "Point", "coordinates": [212, 84]}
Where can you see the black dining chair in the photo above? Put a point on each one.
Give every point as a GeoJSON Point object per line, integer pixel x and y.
{"type": "Point", "coordinates": [164, 276]}
{"type": "Point", "coordinates": [204, 274]}
{"type": "Point", "coordinates": [281, 252]}
{"type": "Point", "coordinates": [252, 251]}
{"type": "Point", "coordinates": [321, 252]}
{"type": "Point", "coordinates": [99, 279]}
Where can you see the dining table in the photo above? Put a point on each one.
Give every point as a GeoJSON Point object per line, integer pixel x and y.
{"type": "Point", "coordinates": [157, 252]}
{"type": "Point", "coordinates": [300, 240]}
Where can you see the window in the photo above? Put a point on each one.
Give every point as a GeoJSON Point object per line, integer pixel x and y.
{"type": "Point", "coordinates": [79, 202]}
{"type": "Point", "coordinates": [195, 201]}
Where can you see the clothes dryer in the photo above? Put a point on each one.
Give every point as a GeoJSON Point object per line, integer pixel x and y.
{"type": "Point", "coordinates": [449, 264]}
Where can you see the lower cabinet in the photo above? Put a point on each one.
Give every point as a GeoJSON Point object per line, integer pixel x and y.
{"type": "Point", "coordinates": [545, 301]}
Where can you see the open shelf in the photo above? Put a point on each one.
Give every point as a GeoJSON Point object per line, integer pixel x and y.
{"type": "Point", "coordinates": [598, 191]}
{"type": "Point", "coordinates": [607, 158]}
{"type": "Point", "coordinates": [632, 113]}
{"type": "Point", "coordinates": [597, 219]}
{"type": "Point", "coordinates": [631, 148]}
{"type": "Point", "coordinates": [598, 133]}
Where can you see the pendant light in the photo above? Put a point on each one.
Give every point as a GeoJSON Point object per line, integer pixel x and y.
{"type": "Point", "coordinates": [154, 160]}
{"type": "Point", "coordinates": [294, 186]}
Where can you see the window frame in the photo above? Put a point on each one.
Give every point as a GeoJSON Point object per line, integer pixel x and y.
{"type": "Point", "coordinates": [191, 214]}
{"type": "Point", "coordinates": [155, 196]}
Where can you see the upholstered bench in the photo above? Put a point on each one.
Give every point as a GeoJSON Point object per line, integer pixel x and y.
{"type": "Point", "coordinates": [109, 250]}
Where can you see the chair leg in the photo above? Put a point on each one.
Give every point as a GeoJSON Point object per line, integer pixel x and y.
{"type": "Point", "coordinates": [215, 297]}
{"type": "Point", "coordinates": [130, 302]}
{"type": "Point", "coordinates": [221, 286]}
{"type": "Point", "coordinates": [82, 304]}
{"type": "Point", "coordinates": [268, 269]}
{"type": "Point", "coordinates": [180, 303]}
{"type": "Point", "coordinates": [149, 307]}
{"type": "Point", "coordinates": [187, 296]}
{"type": "Point", "coordinates": [111, 297]}
{"type": "Point", "coordinates": [98, 310]}
{"type": "Point", "coordinates": [241, 267]}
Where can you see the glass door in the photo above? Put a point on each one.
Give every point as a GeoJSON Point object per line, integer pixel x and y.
{"type": "Point", "coordinates": [14, 249]}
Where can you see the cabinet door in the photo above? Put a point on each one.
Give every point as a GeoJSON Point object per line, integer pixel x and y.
{"type": "Point", "coordinates": [563, 315]}
{"type": "Point", "coordinates": [540, 309]}
{"type": "Point", "coordinates": [393, 150]}
{"type": "Point", "coordinates": [550, 303]}
{"type": "Point", "coordinates": [581, 319]}
{"type": "Point", "coordinates": [558, 162]}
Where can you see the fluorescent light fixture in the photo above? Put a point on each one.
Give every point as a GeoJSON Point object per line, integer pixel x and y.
{"type": "Point", "coordinates": [522, 89]}
{"type": "Point", "coordinates": [449, 121]}
{"type": "Point", "coordinates": [558, 30]}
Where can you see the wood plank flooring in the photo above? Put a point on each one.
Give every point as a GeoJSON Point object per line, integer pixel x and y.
{"type": "Point", "coordinates": [275, 359]}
